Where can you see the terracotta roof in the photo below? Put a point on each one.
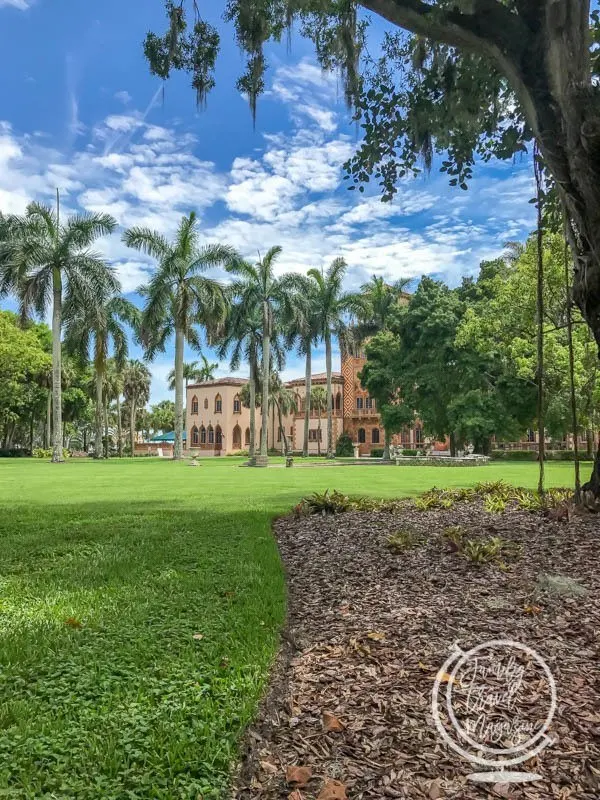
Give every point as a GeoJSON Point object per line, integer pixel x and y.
{"type": "Point", "coordinates": [319, 376]}
{"type": "Point", "coordinates": [227, 381]}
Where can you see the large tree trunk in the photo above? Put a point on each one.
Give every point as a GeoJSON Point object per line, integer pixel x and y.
{"type": "Point", "coordinates": [178, 447]}
{"type": "Point", "coordinates": [106, 441]}
{"type": "Point", "coordinates": [98, 415]}
{"type": "Point", "coordinates": [329, 395]}
{"type": "Point", "coordinates": [48, 425]}
{"type": "Point", "coordinates": [252, 389]}
{"type": "Point", "coordinates": [386, 447]}
{"type": "Point", "coordinates": [119, 426]}
{"type": "Point", "coordinates": [282, 429]}
{"type": "Point", "coordinates": [266, 349]}
{"type": "Point", "coordinates": [307, 381]}
{"type": "Point", "coordinates": [57, 444]}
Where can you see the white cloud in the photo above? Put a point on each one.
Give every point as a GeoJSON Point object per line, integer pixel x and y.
{"type": "Point", "coordinates": [123, 97]}
{"type": "Point", "coordinates": [22, 5]}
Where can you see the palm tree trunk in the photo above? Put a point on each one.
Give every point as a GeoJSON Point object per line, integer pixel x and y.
{"type": "Point", "coordinates": [98, 416]}
{"type": "Point", "coordinates": [119, 426]}
{"type": "Point", "coordinates": [282, 429]}
{"type": "Point", "coordinates": [57, 446]}
{"type": "Point", "coordinates": [252, 388]}
{"type": "Point", "coordinates": [307, 381]}
{"type": "Point", "coordinates": [106, 444]}
{"type": "Point", "coordinates": [132, 427]}
{"type": "Point", "coordinates": [31, 423]}
{"type": "Point", "coordinates": [48, 427]}
{"type": "Point", "coordinates": [540, 327]}
{"type": "Point", "coordinates": [266, 349]}
{"type": "Point", "coordinates": [178, 448]}
{"type": "Point", "coordinates": [319, 432]}
{"type": "Point", "coordinates": [329, 395]}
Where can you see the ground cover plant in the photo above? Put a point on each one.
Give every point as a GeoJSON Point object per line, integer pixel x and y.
{"type": "Point", "coordinates": [140, 605]}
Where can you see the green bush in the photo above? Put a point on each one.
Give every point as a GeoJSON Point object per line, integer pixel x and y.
{"type": "Point", "coordinates": [377, 452]}
{"type": "Point", "coordinates": [410, 452]}
{"type": "Point", "coordinates": [344, 447]}
{"type": "Point", "coordinates": [515, 455]}
{"type": "Point", "coordinates": [14, 452]}
{"type": "Point", "coordinates": [40, 452]}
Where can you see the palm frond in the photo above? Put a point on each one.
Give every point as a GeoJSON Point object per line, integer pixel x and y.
{"type": "Point", "coordinates": [147, 241]}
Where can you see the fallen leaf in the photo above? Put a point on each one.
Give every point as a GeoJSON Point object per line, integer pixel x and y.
{"type": "Point", "coordinates": [333, 790]}
{"type": "Point", "coordinates": [266, 766]}
{"type": "Point", "coordinates": [298, 775]}
{"type": "Point", "coordinates": [532, 609]}
{"type": "Point", "coordinates": [295, 795]}
{"type": "Point", "coordinates": [376, 636]}
{"type": "Point", "coordinates": [425, 667]}
{"type": "Point", "coordinates": [501, 789]}
{"type": "Point", "coordinates": [435, 789]}
{"type": "Point", "coordinates": [72, 622]}
{"type": "Point", "coordinates": [331, 723]}
{"type": "Point", "coordinates": [198, 636]}
{"type": "Point", "coordinates": [444, 677]}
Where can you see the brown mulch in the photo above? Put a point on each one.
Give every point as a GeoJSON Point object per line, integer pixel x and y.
{"type": "Point", "coordinates": [369, 629]}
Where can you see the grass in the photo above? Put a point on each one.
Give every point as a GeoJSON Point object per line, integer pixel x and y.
{"type": "Point", "coordinates": [107, 573]}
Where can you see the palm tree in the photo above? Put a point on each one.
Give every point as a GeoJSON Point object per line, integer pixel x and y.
{"type": "Point", "coordinates": [318, 402]}
{"type": "Point", "coordinates": [42, 259]}
{"type": "Point", "coordinates": [192, 372]}
{"type": "Point", "coordinates": [136, 388]}
{"type": "Point", "coordinates": [376, 302]}
{"type": "Point", "coordinates": [302, 329]}
{"type": "Point", "coordinates": [283, 400]}
{"type": "Point", "coordinates": [333, 305]}
{"type": "Point", "coordinates": [242, 340]}
{"type": "Point", "coordinates": [90, 331]}
{"type": "Point", "coordinates": [178, 297]}
{"type": "Point", "coordinates": [258, 288]}
{"type": "Point", "coordinates": [113, 382]}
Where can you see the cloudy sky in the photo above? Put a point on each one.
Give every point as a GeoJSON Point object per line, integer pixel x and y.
{"type": "Point", "coordinates": [80, 111]}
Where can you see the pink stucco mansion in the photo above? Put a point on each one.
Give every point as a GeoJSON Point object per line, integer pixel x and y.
{"type": "Point", "coordinates": [218, 424]}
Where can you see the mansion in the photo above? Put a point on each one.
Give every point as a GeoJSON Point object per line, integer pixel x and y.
{"type": "Point", "coordinates": [218, 424]}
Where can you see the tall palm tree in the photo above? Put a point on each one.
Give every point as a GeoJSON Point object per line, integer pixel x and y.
{"type": "Point", "coordinates": [376, 302]}
{"type": "Point", "coordinates": [136, 388]}
{"type": "Point", "coordinates": [178, 297]}
{"type": "Point", "coordinates": [258, 288]}
{"type": "Point", "coordinates": [113, 382]}
{"type": "Point", "coordinates": [193, 372]}
{"type": "Point", "coordinates": [44, 259]}
{"type": "Point", "coordinates": [92, 331]}
{"type": "Point", "coordinates": [283, 400]}
{"type": "Point", "coordinates": [333, 306]}
{"type": "Point", "coordinates": [302, 330]}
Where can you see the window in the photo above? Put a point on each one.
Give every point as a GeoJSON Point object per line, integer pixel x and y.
{"type": "Point", "coordinates": [237, 405]}
{"type": "Point", "coordinates": [359, 403]}
{"type": "Point", "coordinates": [194, 405]}
{"type": "Point", "coordinates": [206, 403]}
{"type": "Point", "coordinates": [530, 435]}
{"type": "Point", "coordinates": [338, 401]}
{"type": "Point", "coordinates": [278, 434]}
{"type": "Point", "coordinates": [405, 436]}
{"type": "Point", "coordinates": [211, 435]}
{"type": "Point", "coordinates": [368, 402]}
{"type": "Point", "coordinates": [237, 438]}
{"type": "Point", "coordinates": [315, 435]}
{"type": "Point", "coordinates": [247, 436]}
{"type": "Point", "coordinates": [218, 436]}
{"type": "Point", "coordinates": [218, 404]}
{"type": "Point", "coordinates": [418, 435]}
{"type": "Point", "coordinates": [203, 435]}
{"type": "Point", "coordinates": [195, 435]}
{"type": "Point", "coordinates": [362, 438]}
{"type": "Point", "coordinates": [375, 436]}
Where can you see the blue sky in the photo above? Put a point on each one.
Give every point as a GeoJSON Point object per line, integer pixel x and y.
{"type": "Point", "coordinates": [80, 111]}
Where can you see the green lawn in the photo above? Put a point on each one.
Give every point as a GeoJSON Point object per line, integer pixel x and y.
{"type": "Point", "coordinates": [107, 571]}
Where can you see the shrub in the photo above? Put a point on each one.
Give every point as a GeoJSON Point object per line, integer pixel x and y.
{"type": "Point", "coordinates": [344, 447]}
{"type": "Point", "coordinates": [482, 551]}
{"type": "Point", "coordinates": [455, 535]}
{"type": "Point", "coordinates": [40, 452]}
{"type": "Point", "coordinates": [494, 504]}
{"type": "Point", "coordinates": [327, 503]}
{"type": "Point", "coordinates": [410, 452]}
{"type": "Point", "coordinates": [403, 539]}
{"type": "Point", "coordinates": [377, 452]}
{"type": "Point", "coordinates": [14, 452]}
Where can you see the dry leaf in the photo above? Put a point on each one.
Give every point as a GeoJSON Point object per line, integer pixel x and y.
{"type": "Point", "coordinates": [198, 636]}
{"type": "Point", "coordinates": [425, 667]}
{"type": "Point", "coordinates": [444, 677]}
{"type": "Point", "coordinates": [376, 636]}
{"type": "Point", "coordinates": [532, 609]}
{"type": "Point", "coordinates": [298, 775]}
{"type": "Point", "coordinates": [333, 790]}
{"type": "Point", "coordinates": [501, 789]}
{"type": "Point", "coordinates": [331, 723]}
{"type": "Point", "coordinates": [295, 795]}
{"type": "Point", "coordinates": [72, 622]}
{"type": "Point", "coordinates": [435, 789]}
{"type": "Point", "coordinates": [266, 766]}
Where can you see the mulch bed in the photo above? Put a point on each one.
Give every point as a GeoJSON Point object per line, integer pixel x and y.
{"type": "Point", "coordinates": [369, 629]}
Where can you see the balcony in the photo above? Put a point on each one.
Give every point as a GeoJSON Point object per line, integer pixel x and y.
{"type": "Point", "coordinates": [363, 413]}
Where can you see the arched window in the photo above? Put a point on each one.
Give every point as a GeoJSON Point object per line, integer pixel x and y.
{"type": "Point", "coordinates": [375, 436]}
{"type": "Point", "coordinates": [218, 436]}
{"type": "Point", "coordinates": [368, 402]}
{"type": "Point", "coordinates": [206, 402]}
{"type": "Point", "coordinates": [362, 438]}
{"type": "Point", "coordinates": [531, 435]}
{"type": "Point", "coordinates": [418, 434]}
{"type": "Point", "coordinates": [203, 435]}
{"type": "Point", "coordinates": [218, 404]}
{"type": "Point", "coordinates": [338, 401]}
{"type": "Point", "coordinates": [359, 403]}
{"type": "Point", "coordinates": [247, 437]}
{"type": "Point", "coordinates": [211, 435]}
{"type": "Point", "coordinates": [195, 435]}
{"type": "Point", "coordinates": [194, 405]}
{"type": "Point", "coordinates": [405, 436]}
{"type": "Point", "coordinates": [237, 405]}
{"type": "Point", "coordinates": [237, 438]}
